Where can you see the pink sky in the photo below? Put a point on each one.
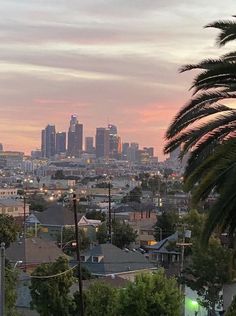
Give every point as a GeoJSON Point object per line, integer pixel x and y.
{"type": "Point", "coordinates": [107, 61]}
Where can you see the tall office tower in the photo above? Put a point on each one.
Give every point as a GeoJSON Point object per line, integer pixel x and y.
{"type": "Point", "coordinates": [48, 144]}
{"type": "Point", "coordinates": [132, 154]}
{"type": "Point", "coordinates": [125, 148]}
{"type": "Point", "coordinates": [89, 145]}
{"type": "Point", "coordinates": [1, 147]}
{"type": "Point", "coordinates": [102, 142]}
{"type": "Point", "coordinates": [75, 137]}
{"type": "Point", "coordinates": [149, 151]}
{"type": "Point", "coordinates": [60, 142]}
{"type": "Point", "coordinates": [114, 142]}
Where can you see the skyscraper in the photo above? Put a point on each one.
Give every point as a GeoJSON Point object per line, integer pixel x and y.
{"type": "Point", "coordinates": [60, 142]}
{"type": "Point", "coordinates": [125, 149]}
{"type": "Point", "coordinates": [89, 145]}
{"type": "Point", "coordinates": [102, 142]}
{"type": "Point", "coordinates": [114, 142]}
{"type": "Point", "coordinates": [48, 143]}
{"type": "Point", "coordinates": [133, 152]}
{"type": "Point", "coordinates": [1, 147]}
{"type": "Point", "coordinates": [75, 137]}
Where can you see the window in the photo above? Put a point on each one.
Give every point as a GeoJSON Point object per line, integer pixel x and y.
{"type": "Point", "coordinates": [95, 259]}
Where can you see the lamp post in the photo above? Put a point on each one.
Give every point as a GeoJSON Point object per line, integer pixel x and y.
{"type": "Point", "coordinates": [78, 256]}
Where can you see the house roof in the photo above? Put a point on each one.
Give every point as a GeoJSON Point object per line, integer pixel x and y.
{"type": "Point", "coordinates": [114, 260]}
{"type": "Point", "coordinates": [161, 246]}
{"type": "Point", "coordinates": [56, 215]}
{"type": "Point", "coordinates": [33, 251]}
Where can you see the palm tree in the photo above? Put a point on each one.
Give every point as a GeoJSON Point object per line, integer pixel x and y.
{"type": "Point", "coordinates": [216, 174]}
{"type": "Point", "coordinates": [207, 128]}
{"type": "Point", "coordinates": [204, 122]}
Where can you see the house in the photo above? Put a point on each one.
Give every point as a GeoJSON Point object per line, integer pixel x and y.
{"type": "Point", "coordinates": [165, 252]}
{"type": "Point", "coordinates": [108, 260]}
{"type": "Point", "coordinates": [14, 208]}
{"type": "Point", "coordinates": [56, 217]}
{"type": "Point", "coordinates": [32, 252]}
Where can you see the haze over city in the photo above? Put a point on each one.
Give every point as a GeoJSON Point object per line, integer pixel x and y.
{"type": "Point", "coordinates": [108, 61]}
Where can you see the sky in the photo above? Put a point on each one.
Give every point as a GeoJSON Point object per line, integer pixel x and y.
{"type": "Point", "coordinates": [108, 61]}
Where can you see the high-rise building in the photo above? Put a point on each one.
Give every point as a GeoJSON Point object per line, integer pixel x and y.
{"type": "Point", "coordinates": [60, 142]}
{"type": "Point", "coordinates": [102, 142]}
{"type": "Point", "coordinates": [75, 137]}
{"type": "Point", "coordinates": [48, 143]}
{"type": "Point", "coordinates": [1, 147]}
{"type": "Point", "coordinates": [114, 142]}
{"type": "Point", "coordinates": [132, 154]}
{"type": "Point", "coordinates": [89, 145]}
{"type": "Point", "coordinates": [149, 151]}
{"type": "Point", "coordinates": [125, 148]}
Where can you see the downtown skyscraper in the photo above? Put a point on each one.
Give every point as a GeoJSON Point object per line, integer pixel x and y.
{"type": "Point", "coordinates": [75, 137]}
{"type": "Point", "coordinates": [48, 141]}
{"type": "Point", "coordinates": [102, 142]}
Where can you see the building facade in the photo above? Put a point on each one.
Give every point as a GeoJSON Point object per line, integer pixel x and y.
{"type": "Point", "coordinates": [102, 142]}
{"type": "Point", "coordinates": [48, 143]}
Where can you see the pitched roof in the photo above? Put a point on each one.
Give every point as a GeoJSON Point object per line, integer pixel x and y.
{"type": "Point", "coordinates": [114, 260]}
{"type": "Point", "coordinates": [56, 215]}
{"type": "Point", "coordinates": [162, 246]}
{"type": "Point", "coordinates": [36, 251]}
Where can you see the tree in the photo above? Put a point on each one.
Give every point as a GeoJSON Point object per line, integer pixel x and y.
{"type": "Point", "coordinates": [166, 225]}
{"type": "Point", "coordinates": [216, 82]}
{"type": "Point", "coordinates": [8, 229]}
{"type": "Point", "coordinates": [99, 215]}
{"type": "Point", "coordinates": [37, 203]}
{"type": "Point", "coordinates": [151, 295]}
{"type": "Point", "coordinates": [134, 195]}
{"type": "Point", "coordinates": [10, 290]}
{"type": "Point", "coordinates": [208, 270]}
{"type": "Point", "coordinates": [68, 236]}
{"type": "Point", "coordinates": [50, 296]}
{"type": "Point", "coordinates": [100, 300]}
{"type": "Point", "coordinates": [123, 234]}
{"type": "Point", "coordinates": [102, 234]}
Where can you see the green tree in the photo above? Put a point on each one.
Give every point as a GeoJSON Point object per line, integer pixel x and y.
{"type": "Point", "coordinates": [50, 296]}
{"type": "Point", "coordinates": [134, 195]}
{"type": "Point", "coordinates": [68, 236]}
{"type": "Point", "coordinates": [96, 215]}
{"type": "Point", "coordinates": [123, 234]}
{"type": "Point", "coordinates": [101, 300]}
{"type": "Point", "coordinates": [166, 225]}
{"type": "Point", "coordinates": [37, 203]}
{"type": "Point", "coordinates": [8, 229]}
{"type": "Point", "coordinates": [208, 270]}
{"type": "Point", "coordinates": [102, 234]}
{"type": "Point", "coordinates": [151, 295]}
{"type": "Point", "coordinates": [10, 290]}
{"type": "Point", "coordinates": [212, 138]}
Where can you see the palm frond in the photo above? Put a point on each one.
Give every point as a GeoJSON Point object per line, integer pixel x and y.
{"type": "Point", "coordinates": [228, 31]}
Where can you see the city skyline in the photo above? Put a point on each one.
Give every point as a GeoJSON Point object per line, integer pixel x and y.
{"type": "Point", "coordinates": [113, 61]}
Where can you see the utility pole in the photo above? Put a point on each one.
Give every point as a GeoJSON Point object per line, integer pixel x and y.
{"type": "Point", "coordinates": [109, 211]}
{"type": "Point", "coordinates": [79, 272]}
{"type": "Point", "coordinates": [24, 229]}
{"type": "Point", "coordinates": [2, 280]}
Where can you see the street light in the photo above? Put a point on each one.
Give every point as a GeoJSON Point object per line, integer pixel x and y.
{"type": "Point", "coordinates": [17, 262]}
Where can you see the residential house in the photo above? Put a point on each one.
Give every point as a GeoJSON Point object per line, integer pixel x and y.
{"type": "Point", "coordinates": [165, 253]}
{"type": "Point", "coordinates": [53, 220]}
{"type": "Point", "coordinates": [32, 252]}
{"type": "Point", "coordinates": [15, 208]}
{"type": "Point", "coordinates": [108, 260]}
